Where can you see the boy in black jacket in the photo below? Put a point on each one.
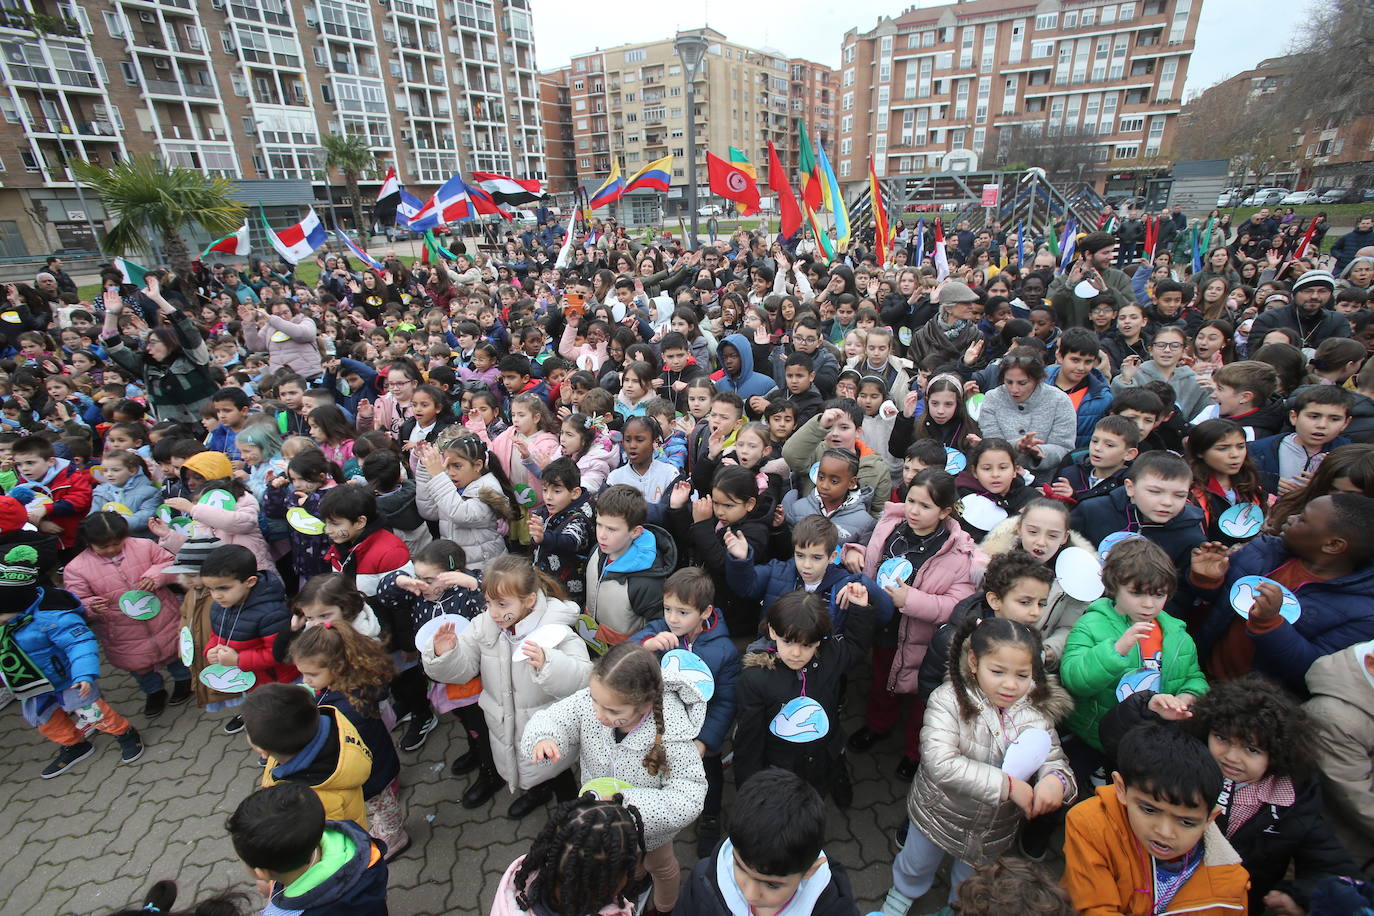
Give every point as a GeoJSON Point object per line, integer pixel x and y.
{"type": "Point", "coordinates": [772, 858]}
{"type": "Point", "coordinates": [1101, 467]}
{"type": "Point", "coordinates": [563, 529]}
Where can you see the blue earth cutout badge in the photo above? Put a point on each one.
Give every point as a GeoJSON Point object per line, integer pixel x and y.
{"type": "Point", "coordinates": [800, 721]}
{"type": "Point", "coordinates": [1246, 589]}
{"type": "Point", "coordinates": [1111, 540]}
{"type": "Point", "coordinates": [1242, 521]}
{"type": "Point", "coordinates": [139, 605]}
{"type": "Point", "coordinates": [955, 461]}
{"type": "Point", "coordinates": [227, 678]}
{"type": "Point", "coordinates": [895, 571]}
{"type": "Point", "coordinates": [690, 667]}
{"type": "Point", "coordinates": [1137, 681]}
{"type": "Point", "coordinates": [814, 473]}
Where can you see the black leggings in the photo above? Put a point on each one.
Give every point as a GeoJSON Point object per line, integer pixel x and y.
{"type": "Point", "coordinates": [410, 691]}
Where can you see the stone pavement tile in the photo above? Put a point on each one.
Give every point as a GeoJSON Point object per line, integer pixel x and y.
{"type": "Point", "coordinates": [97, 837]}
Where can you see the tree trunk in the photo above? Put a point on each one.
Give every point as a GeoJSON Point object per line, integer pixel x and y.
{"type": "Point", "coordinates": [175, 253]}
{"type": "Point", "coordinates": [351, 181]}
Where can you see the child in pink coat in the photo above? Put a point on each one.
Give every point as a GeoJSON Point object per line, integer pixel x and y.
{"type": "Point", "coordinates": [208, 476]}
{"type": "Point", "coordinates": [526, 446]}
{"type": "Point", "coordinates": [114, 577]}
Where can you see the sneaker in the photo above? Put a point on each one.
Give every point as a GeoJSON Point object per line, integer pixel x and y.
{"type": "Point", "coordinates": [906, 769]}
{"type": "Point", "coordinates": [865, 738]}
{"type": "Point", "coordinates": [130, 746]}
{"type": "Point", "coordinates": [402, 721]}
{"type": "Point", "coordinates": [181, 692]}
{"type": "Point", "coordinates": [155, 704]}
{"type": "Point", "coordinates": [69, 755]}
{"type": "Point", "coordinates": [417, 731]}
{"type": "Point", "coordinates": [233, 726]}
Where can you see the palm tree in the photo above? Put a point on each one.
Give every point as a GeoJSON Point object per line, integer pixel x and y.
{"type": "Point", "coordinates": [350, 154]}
{"type": "Point", "coordinates": [153, 204]}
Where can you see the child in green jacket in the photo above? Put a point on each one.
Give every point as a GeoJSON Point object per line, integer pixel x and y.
{"type": "Point", "coordinates": [1125, 643]}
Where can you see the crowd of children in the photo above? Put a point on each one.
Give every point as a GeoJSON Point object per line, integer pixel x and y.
{"type": "Point", "coordinates": [640, 547]}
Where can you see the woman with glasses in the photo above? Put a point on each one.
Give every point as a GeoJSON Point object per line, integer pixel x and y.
{"type": "Point", "coordinates": [1166, 364]}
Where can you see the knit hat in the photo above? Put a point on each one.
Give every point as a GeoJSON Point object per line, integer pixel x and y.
{"type": "Point", "coordinates": [1315, 278]}
{"type": "Point", "coordinates": [13, 517]}
{"type": "Point", "coordinates": [210, 465]}
{"type": "Point", "coordinates": [19, 567]}
{"type": "Point", "coordinates": [192, 555]}
{"type": "Point", "coordinates": [954, 291]}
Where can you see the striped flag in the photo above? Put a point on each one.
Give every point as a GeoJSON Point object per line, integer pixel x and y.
{"type": "Point", "coordinates": [1069, 243]}
{"type": "Point", "coordinates": [235, 243]}
{"type": "Point", "coordinates": [391, 186]}
{"type": "Point", "coordinates": [510, 191]}
{"type": "Point", "coordinates": [361, 255]}
{"type": "Point", "coordinates": [941, 256]}
{"type": "Point", "coordinates": [1301, 250]}
{"type": "Point", "coordinates": [920, 242]}
{"type": "Point", "coordinates": [882, 238]}
{"type": "Point", "coordinates": [131, 272]}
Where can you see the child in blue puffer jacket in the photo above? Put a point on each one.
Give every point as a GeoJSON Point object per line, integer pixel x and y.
{"type": "Point", "coordinates": [50, 660]}
{"type": "Point", "coordinates": [128, 491]}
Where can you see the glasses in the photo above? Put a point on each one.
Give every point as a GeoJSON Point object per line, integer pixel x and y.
{"type": "Point", "coordinates": [805, 339]}
{"type": "Point", "coordinates": [1167, 345]}
{"type": "Point", "coordinates": [406, 384]}
{"type": "Point", "coordinates": [1103, 310]}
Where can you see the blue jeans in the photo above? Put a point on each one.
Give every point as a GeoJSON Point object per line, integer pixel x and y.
{"type": "Point", "coordinates": [913, 871]}
{"type": "Point", "coordinates": [152, 681]}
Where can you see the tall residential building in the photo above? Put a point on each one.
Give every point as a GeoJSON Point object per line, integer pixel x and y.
{"type": "Point", "coordinates": [966, 78]}
{"type": "Point", "coordinates": [246, 88]}
{"type": "Point", "coordinates": [814, 99]}
{"type": "Point", "coordinates": [555, 112]}
{"type": "Point", "coordinates": [629, 102]}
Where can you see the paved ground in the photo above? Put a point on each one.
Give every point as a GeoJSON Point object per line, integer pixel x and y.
{"type": "Point", "coordinates": [93, 839]}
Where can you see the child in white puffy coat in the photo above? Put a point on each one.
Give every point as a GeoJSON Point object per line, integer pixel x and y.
{"type": "Point", "coordinates": [634, 725]}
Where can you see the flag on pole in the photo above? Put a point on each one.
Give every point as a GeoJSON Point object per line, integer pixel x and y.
{"type": "Point", "coordinates": [1301, 250]}
{"type": "Point", "coordinates": [941, 256]}
{"type": "Point", "coordinates": [779, 185]}
{"type": "Point", "coordinates": [391, 186]}
{"type": "Point", "coordinates": [732, 182]}
{"type": "Point", "coordinates": [1197, 251]}
{"type": "Point", "coordinates": [1069, 244]}
{"type": "Point", "coordinates": [1151, 235]}
{"type": "Point", "coordinates": [361, 255]}
{"type": "Point", "coordinates": [882, 239]}
{"type": "Point", "coordinates": [132, 273]}
{"type": "Point", "coordinates": [298, 242]}
{"type": "Point", "coordinates": [920, 242]}
{"type": "Point", "coordinates": [834, 201]}
{"type": "Point", "coordinates": [413, 213]}
{"type": "Point", "coordinates": [1020, 241]}
{"type": "Point", "coordinates": [235, 243]}
{"type": "Point", "coordinates": [611, 190]}
{"type": "Point", "coordinates": [483, 203]}
{"type": "Point", "coordinates": [656, 176]}
{"type": "Point", "coordinates": [451, 203]}
{"type": "Point", "coordinates": [1052, 241]}
{"type": "Point", "coordinates": [811, 182]}
{"type": "Point", "coordinates": [510, 191]}
{"type": "Point", "coordinates": [433, 250]}
{"type": "Point", "coordinates": [741, 162]}
{"type": "Point", "coordinates": [1207, 241]}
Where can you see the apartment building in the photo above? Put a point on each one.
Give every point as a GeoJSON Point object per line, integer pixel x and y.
{"type": "Point", "coordinates": [814, 99]}
{"type": "Point", "coordinates": [951, 87]}
{"type": "Point", "coordinates": [629, 103]}
{"type": "Point", "coordinates": [555, 112]}
{"type": "Point", "coordinates": [246, 88]}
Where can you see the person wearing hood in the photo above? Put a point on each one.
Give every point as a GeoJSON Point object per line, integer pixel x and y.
{"type": "Point", "coordinates": [1342, 706]}
{"type": "Point", "coordinates": [636, 722]}
{"type": "Point", "coordinates": [625, 572]}
{"type": "Point", "coordinates": [1310, 314]}
{"type": "Point", "coordinates": [315, 866]}
{"type": "Point", "coordinates": [737, 371]}
{"type": "Point", "coordinates": [231, 518]}
{"type": "Point", "coordinates": [1358, 274]}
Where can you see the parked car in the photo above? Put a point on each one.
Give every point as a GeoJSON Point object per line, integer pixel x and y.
{"type": "Point", "coordinates": [1266, 197]}
{"type": "Point", "coordinates": [1333, 195]}
{"type": "Point", "coordinates": [710, 210]}
{"type": "Point", "coordinates": [1229, 198]}
{"type": "Point", "coordinates": [1298, 198]}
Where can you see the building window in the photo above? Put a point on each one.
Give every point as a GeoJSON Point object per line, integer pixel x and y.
{"type": "Point", "coordinates": [635, 56]}
{"type": "Point", "coordinates": [1127, 150]}
{"type": "Point", "coordinates": [1046, 21]}
{"type": "Point", "coordinates": [114, 24]}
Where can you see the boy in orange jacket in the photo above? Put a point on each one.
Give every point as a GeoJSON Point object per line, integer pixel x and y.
{"type": "Point", "coordinates": [1147, 843]}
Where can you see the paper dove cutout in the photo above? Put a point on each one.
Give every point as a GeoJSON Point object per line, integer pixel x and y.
{"type": "Point", "coordinates": [586, 628]}
{"type": "Point", "coordinates": [424, 637]}
{"type": "Point", "coordinates": [1137, 681]}
{"type": "Point", "coordinates": [139, 605]}
{"type": "Point", "coordinates": [894, 571]}
{"type": "Point", "coordinates": [981, 512]}
{"type": "Point", "coordinates": [1027, 754]}
{"type": "Point", "coordinates": [1246, 590]}
{"type": "Point", "coordinates": [683, 665]}
{"type": "Point", "coordinates": [218, 499]}
{"type": "Point", "coordinates": [973, 406]}
{"type": "Point", "coordinates": [814, 472]}
{"type": "Point", "coordinates": [954, 460]}
{"type": "Point", "coordinates": [1079, 574]}
{"type": "Point", "coordinates": [165, 514]}
{"type": "Point", "coordinates": [800, 721]}
{"type": "Point", "coordinates": [1111, 540]}
{"type": "Point", "coordinates": [280, 336]}
{"type": "Point", "coordinates": [117, 507]}
{"type": "Point", "coordinates": [300, 519]}
{"type": "Point", "coordinates": [1241, 521]}
{"type": "Point", "coordinates": [227, 678]}
{"type": "Point", "coordinates": [546, 637]}
{"type": "Point", "coordinates": [187, 646]}
{"type": "Point", "coordinates": [524, 494]}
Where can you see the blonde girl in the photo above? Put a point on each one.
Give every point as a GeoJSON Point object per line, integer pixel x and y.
{"type": "Point", "coordinates": [635, 723]}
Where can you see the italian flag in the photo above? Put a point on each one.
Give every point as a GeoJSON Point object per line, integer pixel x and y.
{"type": "Point", "coordinates": [235, 243]}
{"type": "Point", "coordinates": [132, 273]}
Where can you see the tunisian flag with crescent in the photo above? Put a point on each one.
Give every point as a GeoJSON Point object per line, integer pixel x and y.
{"type": "Point", "coordinates": [732, 183]}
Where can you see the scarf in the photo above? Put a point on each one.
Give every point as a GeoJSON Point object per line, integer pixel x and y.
{"type": "Point", "coordinates": [953, 329]}
{"type": "Point", "coordinates": [20, 674]}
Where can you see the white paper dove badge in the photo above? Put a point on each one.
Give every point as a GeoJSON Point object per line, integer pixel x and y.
{"type": "Point", "coordinates": [424, 637]}
{"type": "Point", "coordinates": [545, 637]}
{"type": "Point", "coordinates": [1027, 754]}
{"type": "Point", "coordinates": [981, 512]}
{"type": "Point", "coordinates": [218, 499]}
{"type": "Point", "coordinates": [955, 461]}
{"type": "Point", "coordinates": [1246, 590]}
{"type": "Point", "coordinates": [227, 678]}
{"type": "Point", "coordinates": [1242, 521]}
{"type": "Point", "coordinates": [186, 646]}
{"type": "Point", "coordinates": [1137, 681]}
{"type": "Point", "coordinates": [690, 667]}
{"type": "Point", "coordinates": [299, 518]}
{"type": "Point", "coordinates": [800, 721]}
{"type": "Point", "coordinates": [140, 605]}
{"type": "Point", "coordinates": [1079, 573]}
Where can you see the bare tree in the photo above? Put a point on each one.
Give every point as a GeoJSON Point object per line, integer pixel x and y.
{"type": "Point", "coordinates": [1334, 65]}
{"type": "Point", "coordinates": [1057, 150]}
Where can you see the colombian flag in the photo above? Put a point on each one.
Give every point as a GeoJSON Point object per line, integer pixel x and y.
{"type": "Point", "coordinates": [610, 191]}
{"type": "Point", "coordinates": [656, 176]}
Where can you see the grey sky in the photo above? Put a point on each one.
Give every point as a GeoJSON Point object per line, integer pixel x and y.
{"type": "Point", "coordinates": [1234, 35]}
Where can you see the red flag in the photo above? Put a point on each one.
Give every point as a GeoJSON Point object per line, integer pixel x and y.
{"type": "Point", "coordinates": [779, 185]}
{"type": "Point", "coordinates": [882, 238]}
{"type": "Point", "coordinates": [732, 183]}
{"type": "Point", "coordinates": [1301, 251]}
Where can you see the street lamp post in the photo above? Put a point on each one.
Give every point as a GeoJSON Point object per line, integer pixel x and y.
{"type": "Point", "coordinates": [691, 50]}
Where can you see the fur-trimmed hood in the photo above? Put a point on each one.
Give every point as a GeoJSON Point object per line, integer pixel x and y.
{"type": "Point", "coordinates": [1003, 538]}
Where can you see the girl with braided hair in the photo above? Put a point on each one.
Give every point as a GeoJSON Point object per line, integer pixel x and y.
{"type": "Point", "coordinates": [580, 864]}
{"type": "Point", "coordinates": [634, 724]}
